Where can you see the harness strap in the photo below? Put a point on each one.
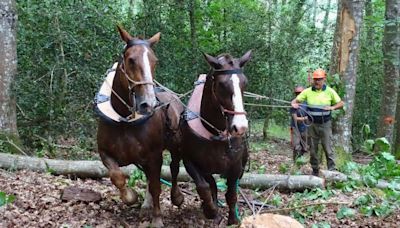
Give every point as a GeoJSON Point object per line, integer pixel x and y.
{"type": "Point", "coordinates": [234, 71]}
{"type": "Point", "coordinates": [134, 42]}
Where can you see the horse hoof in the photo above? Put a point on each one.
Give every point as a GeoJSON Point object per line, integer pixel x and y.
{"type": "Point", "coordinates": [232, 220]}
{"type": "Point", "coordinates": [130, 197]}
{"type": "Point", "coordinates": [210, 211]}
{"type": "Point", "coordinates": [157, 222]}
{"type": "Point", "coordinates": [217, 219]}
{"type": "Point", "coordinates": [177, 198]}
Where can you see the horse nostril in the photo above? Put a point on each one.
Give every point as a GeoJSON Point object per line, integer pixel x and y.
{"type": "Point", "coordinates": [144, 107]}
{"type": "Point", "coordinates": [239, 130]}
{"type": "Point", "coordinates": [234, 128]}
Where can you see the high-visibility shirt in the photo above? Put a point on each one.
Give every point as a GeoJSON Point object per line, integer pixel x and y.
{"type": "Point", "coordinates": [317, 99]}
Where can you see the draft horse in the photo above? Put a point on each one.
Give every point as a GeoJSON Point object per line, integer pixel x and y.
{"type": "Point", "coordinates": [214, 143]}
{"type": "Point", "coordinates": [146, 127]}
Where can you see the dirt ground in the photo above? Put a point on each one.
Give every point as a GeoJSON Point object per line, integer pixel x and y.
{"type": "Point", "coordinates": [38, 202]}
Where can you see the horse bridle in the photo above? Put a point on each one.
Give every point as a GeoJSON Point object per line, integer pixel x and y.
{"type": "Point", "coordinates": [224, 135]}
{"type": "Point", "coordinates": [129, 44]}
{"type": "Point", "coordinates": [215, 72]}
{"type": "Point", "coordinates": [132, 83]}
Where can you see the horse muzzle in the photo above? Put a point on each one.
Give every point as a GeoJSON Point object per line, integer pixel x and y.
{"type": "Point", "coordinates": [239, 125]}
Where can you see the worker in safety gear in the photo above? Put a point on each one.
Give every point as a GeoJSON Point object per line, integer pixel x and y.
{"type": "Point", "coordinates": [298, 127]}
{"type": "Point", "coordinates": [321, 100]}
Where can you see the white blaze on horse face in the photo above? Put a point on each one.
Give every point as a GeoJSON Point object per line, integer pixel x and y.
{"type": "Point", "coordinates": [148, 77]}
{"type": "Point", "coordinates": [239, 121]}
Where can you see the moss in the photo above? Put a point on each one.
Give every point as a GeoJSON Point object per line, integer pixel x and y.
{"type": "Point", "coordinates": [10, 143]}
{"type": "Point", "coordinates": [341, 157]}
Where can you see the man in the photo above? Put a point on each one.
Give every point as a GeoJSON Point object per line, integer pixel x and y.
{"type": "Point", "coordinates": [298, 128]}
{"type": "Point", "coordinates": [321, 100]}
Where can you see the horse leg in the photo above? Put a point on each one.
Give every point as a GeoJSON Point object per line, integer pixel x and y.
{"type": "Point", "coordinates": [176, 194]}
{"type": "Point", "coordinates": [231, 199]}
{"type": "Point", "coordinates": [213, 187]}
{"type": "Point", "coordinates": [148, 199]}
{"type": "Point", "coordinates": [154, 187]}
{"type": "Point", "coordinates": [118, 178]}
{"type": "Point", "coordinates": [210, 210]}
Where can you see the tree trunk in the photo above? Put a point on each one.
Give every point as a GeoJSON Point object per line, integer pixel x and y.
{"type": "Point", "coordinates": [344, 62]}
{"type": "Point", "coordinates": [8, 66]}
{"type": "Point", "coordinates": [391, 53]}
{"type": "Point", "coordinates": [326, 17]}
{"type": "Point", "coordinates": [314, 12]}
{"type": "Point", "coordinates": [397, 127]}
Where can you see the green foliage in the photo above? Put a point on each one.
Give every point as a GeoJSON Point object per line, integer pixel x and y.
{"type": "Point", "coordinates": [321, 225]}
{"type": "Point", "coordinates": [283, 168]}
{"type": "Point", "coordinates": [369, 74]}
{"type": "Point", "coordinates": [10, 143]}
{"type": "Point", "coordinates": [345, 212]}
{"type": "Point", "coordinates": [64, 48]}
{"type": "Point", "coordinates": [6, 199]}
{"type": "Point", "coordinates": [300, 161]}
{"type": "Point", "coordinates": [136, 176]}
{"type": "Point", "coordinates": [276, 200]}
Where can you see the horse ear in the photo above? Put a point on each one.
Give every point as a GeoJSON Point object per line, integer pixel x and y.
{"type": "Point", "coordinates": [124, 34]}
{"type": "Point", "coordinates": [246, 57]}
{"type": "Point", "coordinates": [154, 39]}
{"type": "Point", "coordinates": [212, 61]}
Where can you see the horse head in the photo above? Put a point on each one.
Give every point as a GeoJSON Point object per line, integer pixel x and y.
{"type": "Point", "coordinates": [138, 65]}
{"type": "Point", "coordinates": [229, 82]}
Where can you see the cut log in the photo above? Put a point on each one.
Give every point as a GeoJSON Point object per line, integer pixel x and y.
{"type": "Point", "coordinates": [270, 221]}
{"type": "Point", "coordinates": [96, 169]}
{"type": "Point", "coordinates": [283, 182]}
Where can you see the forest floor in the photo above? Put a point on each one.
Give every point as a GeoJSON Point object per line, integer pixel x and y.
{"type": "Point", "coordinates": [38, 204]}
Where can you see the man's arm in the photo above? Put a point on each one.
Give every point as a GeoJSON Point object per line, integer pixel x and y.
{"type": "Point", "coordinates": [295, 103]}
{"type": "Point", "coordinates": [334, 107]}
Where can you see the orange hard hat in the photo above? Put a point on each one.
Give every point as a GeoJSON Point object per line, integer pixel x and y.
{"type": "Point", "coordinates": [319, 73]}
{"type": "Point", "coordinates": [298, 89]}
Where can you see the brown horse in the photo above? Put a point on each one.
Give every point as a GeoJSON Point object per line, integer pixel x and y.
{"type": "Point", "coordinates": [145, 125]}
{"type": "Point", "coordinates": [214, 143]}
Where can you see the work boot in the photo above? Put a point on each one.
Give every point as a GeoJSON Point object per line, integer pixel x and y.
{"type": "Point", "coordinates": [315, 172]}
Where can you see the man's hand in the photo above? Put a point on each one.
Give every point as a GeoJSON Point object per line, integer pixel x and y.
{"type": "Point", "coordinates": [329, 108]}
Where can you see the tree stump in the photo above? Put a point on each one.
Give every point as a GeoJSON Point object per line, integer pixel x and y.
{"type": "Point", "coordinates": [270, 221]}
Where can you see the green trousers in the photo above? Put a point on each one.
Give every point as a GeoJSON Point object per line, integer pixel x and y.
{"type": "Point", "coordinates": [321, 133]}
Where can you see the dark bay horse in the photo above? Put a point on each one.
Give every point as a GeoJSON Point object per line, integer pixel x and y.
{"type": "Point", "coordinates": [215, 142]}
{"type": "Point", "coordinates": [147, 127]}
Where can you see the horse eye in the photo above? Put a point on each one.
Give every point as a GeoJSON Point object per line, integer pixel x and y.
{"type": "Point", "coordinates": [132, 61]}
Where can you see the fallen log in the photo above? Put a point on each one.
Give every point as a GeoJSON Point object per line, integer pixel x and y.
{"type": "Point", "coordinates": [96, 169]}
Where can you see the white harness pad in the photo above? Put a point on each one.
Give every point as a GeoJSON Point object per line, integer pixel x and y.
{"type": "Point", "coordinates": [103, 100]}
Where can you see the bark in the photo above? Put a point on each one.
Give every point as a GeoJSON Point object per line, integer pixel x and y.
{"type": "Point", "coordinates": [344, 62]}
{"type": "Point", "coordinates": [391, 54]}
{"type": "Point", "coordinates": [96, 169]}
{"type": "Point", "coordinates": [397, 127]}
{"type": "Point", "coordinates": [369, 11]}
{"type": "Point", "coordinates": [326, 17]}
{"type": "Point", "coordinates": [8, 66]}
